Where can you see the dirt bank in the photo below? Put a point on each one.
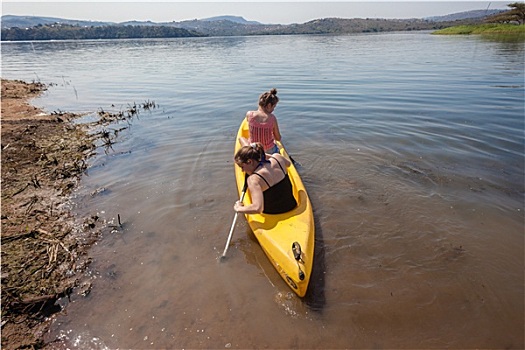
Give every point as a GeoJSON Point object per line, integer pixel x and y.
{"type": "Point", "coordinates": [43, 247]}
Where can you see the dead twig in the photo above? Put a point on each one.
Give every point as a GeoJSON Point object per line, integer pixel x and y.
{"type": "Point", "coordinates": [20, 190]}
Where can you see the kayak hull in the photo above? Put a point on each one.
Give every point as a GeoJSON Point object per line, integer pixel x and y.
{"type": "Point", "coordinates": [287, 239]}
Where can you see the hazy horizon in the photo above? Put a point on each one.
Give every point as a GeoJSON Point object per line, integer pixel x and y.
{"type": "Point", "coordinates": [271, 12]}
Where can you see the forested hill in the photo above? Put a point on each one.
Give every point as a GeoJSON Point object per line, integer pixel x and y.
{"type": "Point", "coordinates": [71, 32]}
{"type": "Point", "coordinates": [16, 28]}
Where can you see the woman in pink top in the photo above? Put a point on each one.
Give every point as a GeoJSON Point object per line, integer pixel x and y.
{"type": "Point", "coordinates": [262, 123]}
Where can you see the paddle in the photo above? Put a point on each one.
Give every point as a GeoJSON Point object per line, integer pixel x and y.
{"type": "Point", "coordinates": [295, 163]}
{"type": "Point", "coordinates": [235, 218]}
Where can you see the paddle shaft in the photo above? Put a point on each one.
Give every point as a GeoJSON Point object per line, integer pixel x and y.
{"type": "Point", "coordinates": [234, 220]}
{"type": "Point", "coordinates": [293, 161]}
{"type": "Point", "coordinates": [291, 158]}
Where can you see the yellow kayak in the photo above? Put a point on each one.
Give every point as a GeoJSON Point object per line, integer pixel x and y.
{"type": "Point", "coordinates": [287, 239]}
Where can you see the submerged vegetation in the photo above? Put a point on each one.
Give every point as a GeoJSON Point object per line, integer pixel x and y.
{"type": "Point", "coordinates": [43, 244]}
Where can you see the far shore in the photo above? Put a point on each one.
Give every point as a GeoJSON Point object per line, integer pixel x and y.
{"type": "Point", "coordinates": [517, 31]}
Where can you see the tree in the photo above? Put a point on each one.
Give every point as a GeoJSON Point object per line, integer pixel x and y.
{"type": "Point", "coordinates": [516, 14]}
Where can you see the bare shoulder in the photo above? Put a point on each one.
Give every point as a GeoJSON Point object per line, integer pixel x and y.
{"type": "Point", "coordinates": [254, 182]}
{"type": "Point", "coordinates": [281, 159]}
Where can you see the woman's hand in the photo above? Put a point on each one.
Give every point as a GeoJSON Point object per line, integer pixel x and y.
{"type": "Point", "coordinates": [237, 206]}
{"type": "Point", "coordinates": [257, 204]}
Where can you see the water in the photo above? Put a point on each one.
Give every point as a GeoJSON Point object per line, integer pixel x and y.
{"type": "Point", "coordinates": [411, 148]}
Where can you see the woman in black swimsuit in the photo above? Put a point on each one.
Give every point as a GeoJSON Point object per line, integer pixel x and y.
{"type": "Point", "coordinates": [268, 181]}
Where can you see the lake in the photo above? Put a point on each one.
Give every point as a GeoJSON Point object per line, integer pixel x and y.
{"type": "Point", "coordinates": [412, 151]}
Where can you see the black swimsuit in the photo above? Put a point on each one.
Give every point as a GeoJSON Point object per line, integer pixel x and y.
{"type": "Point", "coordinates": [278, 198]}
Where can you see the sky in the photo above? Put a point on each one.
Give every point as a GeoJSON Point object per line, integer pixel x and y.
{"type": "Point", "coordinates": [268, 12]}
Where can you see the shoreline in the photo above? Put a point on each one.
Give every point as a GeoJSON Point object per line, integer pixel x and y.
{"type": "Point", "coordinates": [43, 245]}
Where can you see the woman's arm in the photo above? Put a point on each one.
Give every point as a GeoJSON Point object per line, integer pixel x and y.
{"type": "Point", "coordinates": [244, 141]}
{"type": "Point", "coordinates": [256, 193]}
{"type": "Point", "coordinates": [276, 132]}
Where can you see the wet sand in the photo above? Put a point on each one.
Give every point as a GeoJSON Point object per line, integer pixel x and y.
{"type": "Point", "coordinates": [43, 245]}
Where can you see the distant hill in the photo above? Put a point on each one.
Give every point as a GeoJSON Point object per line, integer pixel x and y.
{"type": "Point", "coordinates": [337, 26]}
{"type": "Point", "coordinates": [59, 31]}
{"type": "Point", "coordinates": [10, 21]}
{"type": "Point", "coordinates": [47, 28]}
{"type": "Point", "coordinates": [135, 23]}
{"type": "Point", "coordinates": [206, 22]}
{"type": "Point", "coordinates": [217, 26]}
{"type": "Point", "coordinates": [234, 19]}
{"type": "Point", "coordinates": [465, 15]}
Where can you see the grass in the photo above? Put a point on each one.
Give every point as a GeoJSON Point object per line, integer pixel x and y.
{"type": "Point", "coordinates": [493, 28]}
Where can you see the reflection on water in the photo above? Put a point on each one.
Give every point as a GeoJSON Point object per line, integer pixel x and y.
{"type": "Point", "coordinates": [411, 148]}
{"type": "Point", "coordinates": [515, 39]}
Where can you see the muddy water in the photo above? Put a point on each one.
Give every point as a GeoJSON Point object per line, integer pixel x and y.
{"type": "Point", "coordinates": [411, 149]}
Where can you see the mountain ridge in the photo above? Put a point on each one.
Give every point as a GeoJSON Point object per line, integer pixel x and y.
{"type": "Point", "coordinates": [11, 21]}
{"type": "Point", "coordinates": [235, 19]}
{"type": "Point", "coordinates": [16, 28]}
{"type": "Point", "coordinates": [464, 15]}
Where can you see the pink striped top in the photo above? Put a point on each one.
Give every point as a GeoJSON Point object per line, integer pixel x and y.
{"type": "Point", "coordinates": [262, 132]}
